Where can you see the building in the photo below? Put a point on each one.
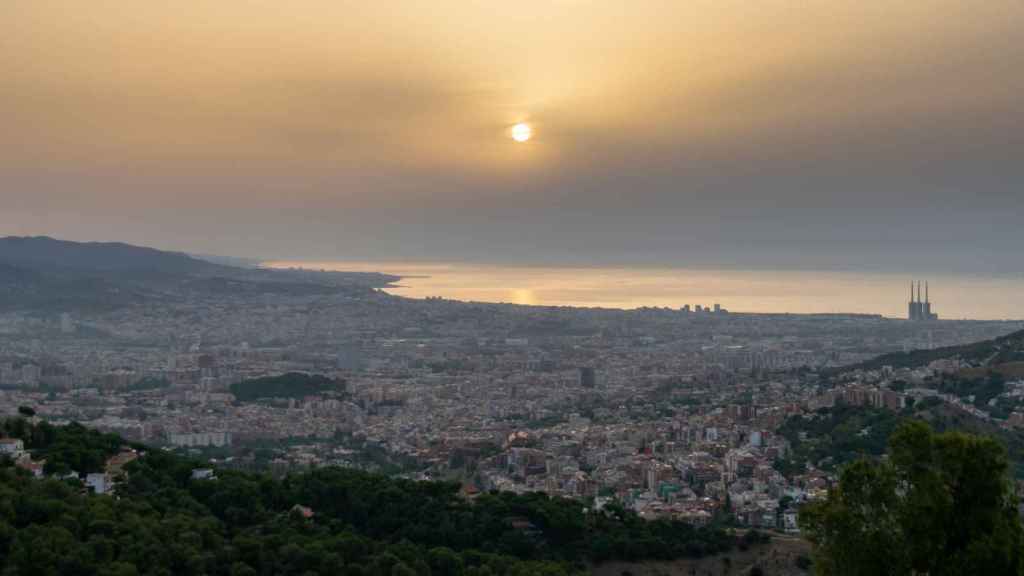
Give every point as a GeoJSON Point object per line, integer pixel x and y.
{"type": "Point", "coordinates": [30, 374]}
{"type": "Point", "coordinates": [588, 377]}
{"type": "Point", "coordinates": [12, 447]}
{"type": "Point", "coordinates": [97, 482]}
{"type": "Point", "coordinates": [198, 439]}
{"type": "Point", "coordinates": [350, 357]}
{"type": "Point", "coordinates": [203, 474]}
{"type": "Point", "coordinates": [919, 310]}
{"type": "Point", "coordinates": [67, 325]}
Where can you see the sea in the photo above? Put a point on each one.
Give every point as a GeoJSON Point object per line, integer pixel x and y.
{"type": "Point", "coordinates": [754, 291]}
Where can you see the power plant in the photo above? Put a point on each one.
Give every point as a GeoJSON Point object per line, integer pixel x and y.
{"type": "Point", "coordinates": [920, 310]}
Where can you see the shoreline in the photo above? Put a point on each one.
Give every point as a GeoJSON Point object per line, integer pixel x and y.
{"type": "Point", "coordinates": [763, 293]}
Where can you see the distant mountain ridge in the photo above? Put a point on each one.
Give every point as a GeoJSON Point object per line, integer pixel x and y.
{"type": "Point", "coordinates": [46, 274]}
{"type": "Point", "coordinates": [46, 253]}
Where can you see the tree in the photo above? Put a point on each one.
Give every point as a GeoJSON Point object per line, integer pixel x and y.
{"type": "Point", "coordinates": [162, 522]}
{"type": "Point", "coordinates": [26, 411]}
{"type": "Point", "coordinates": [445, 562]}
{"type": "Point", "coordinates": [119, 569]}
{"type": "Point", "coordinates": [941, 504]}
{"type": "Point", "coordinates": [401, 569]}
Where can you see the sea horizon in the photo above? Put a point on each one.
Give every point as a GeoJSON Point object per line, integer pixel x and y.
{"type": "Point", "coordinates": [797, 291]}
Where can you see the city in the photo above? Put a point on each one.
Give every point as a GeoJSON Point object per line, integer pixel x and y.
{"type": "Point", "coordinates": [675, 412]}
{"type": "Point", "coordinates": [532, 288]}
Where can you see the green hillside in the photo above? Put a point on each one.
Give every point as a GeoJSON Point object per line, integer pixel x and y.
{"type": "Point", "coordinates": [329, 521]}
{"type": "Point", "coordinates": [832, 437]}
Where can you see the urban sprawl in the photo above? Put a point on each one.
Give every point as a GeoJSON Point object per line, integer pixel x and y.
{"type": "Point", "coordinates": [672, 412]}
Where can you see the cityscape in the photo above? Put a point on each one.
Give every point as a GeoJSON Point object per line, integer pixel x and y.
{"type": "Point", "coordinates": [533, 288]}
{"type": "Point", "coordinates": [673, 412]}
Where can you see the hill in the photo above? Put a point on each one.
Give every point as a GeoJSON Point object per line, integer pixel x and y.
{"type": "Point", "coordinates": [45, 274]}
{"type": "Point", "coordinates": [171, 515]}
{"type": "Point", "coordinates": [832, 437]}
{"type": "Point", "coordinates": [15, 279]}
{"type": "Point", "coordinates": [971, 388]}
{"type": "Point", "coordinates": [1002, 350]}
{"type": "Point", "coordinates": [43, 252]}
{"type": "Point", "coordinates": [26, 288]}
{"type": "Point", "coordinates": [979, 378]}
{"type": "Point", "coordinates": [783, 556]}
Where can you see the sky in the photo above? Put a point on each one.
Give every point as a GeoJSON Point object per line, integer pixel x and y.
{"type": "Point", "coordinates": [884, 135]}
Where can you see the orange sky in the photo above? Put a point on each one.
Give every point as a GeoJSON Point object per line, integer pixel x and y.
{"type": "Point", "coordinates": [122, 107]}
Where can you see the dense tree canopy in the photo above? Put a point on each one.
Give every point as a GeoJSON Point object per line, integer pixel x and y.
{"type": "Point", "coordinates": [831, 437]}
{"type": "Point", "coordinates": [71, 448]}
{"type": "Point", "coordinates": [941, 504]}
{"type": "Point", "coordinates": [291, 385]}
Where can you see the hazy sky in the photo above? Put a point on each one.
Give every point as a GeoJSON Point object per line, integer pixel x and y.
{"type": "Point", "coordinates": [834, 133]}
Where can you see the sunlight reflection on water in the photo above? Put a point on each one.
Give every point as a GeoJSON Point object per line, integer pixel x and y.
{"type": "Point", "coordinates": [736, 290]}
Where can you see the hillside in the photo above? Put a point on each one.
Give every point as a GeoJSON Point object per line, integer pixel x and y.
{"type": "Point", "coordinates": [783, 556]}
{"type": "Point", "coordinates": [45, 253]}
{"type": "Point", "coordinates": [987, 353]}
{"type": "Point", "coordinates": [15, 280]}
{"type": "Point", "coordinates": [41, 273]}
{"type": "Point", "coordinates": [25, 288]}
{"type": "Point", "coordinates": [974, 388]}
{"type": "Point", "coordinates": [170, 516]}
{"type": "Point", "coordinates": [832, 437]}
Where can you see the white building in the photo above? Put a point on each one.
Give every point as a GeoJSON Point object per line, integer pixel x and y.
{"type": "Point", "coordinates": [12, 447]}
{"type": "Point", "coordinates": [200, 439]}
{"type": "Point", "coordinates": [98, 482]}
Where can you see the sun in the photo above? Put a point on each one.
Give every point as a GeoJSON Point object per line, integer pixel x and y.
{"type": "Point", "coordinates": [522, 132]}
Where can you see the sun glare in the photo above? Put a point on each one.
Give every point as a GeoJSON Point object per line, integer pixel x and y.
{"type": "Point", "coordinates": [522, 132]}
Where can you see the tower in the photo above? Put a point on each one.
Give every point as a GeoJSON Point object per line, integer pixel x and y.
{"type": "Point", "coordinates": [911, 305]}
{"type": "Point", "coordinates": [920, 309]}
{"type": "Point", "coordinates": [921, 304]}
{"type": "Point", "coordinates": [916, 308]}
{"type": "Point", "coordinates": [927, 312]}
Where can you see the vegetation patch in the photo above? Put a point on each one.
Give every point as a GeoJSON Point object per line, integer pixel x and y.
{"type": "Point", "coordinates": [291, 385]}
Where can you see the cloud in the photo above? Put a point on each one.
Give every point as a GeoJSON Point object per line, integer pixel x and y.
{"type": "Point", "coordinates": [751, 132]}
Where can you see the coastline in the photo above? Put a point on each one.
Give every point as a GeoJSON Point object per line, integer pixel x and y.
{"type": "Point", "coordinates": [778, 292]}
